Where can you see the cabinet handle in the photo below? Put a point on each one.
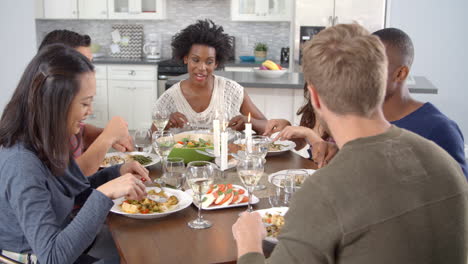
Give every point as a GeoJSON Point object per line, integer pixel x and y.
{"type": "Point", "coordinates": [132, 72]}
{"type": "Point", "coordinates": [335, 21]}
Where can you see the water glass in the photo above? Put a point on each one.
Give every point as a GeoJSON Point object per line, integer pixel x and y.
{"type": "Point", "coordinates": [297, 177]}
{"type": "Point", "coordinates": [142, 140]}
{"type": "Point", "coordinates": [200, 176]}
{"type": "Point", "coordinates": [174, 174]}
{"type": "Point", "coordinates": [280, 193]}
{"type": "Point", "coordinates": [250, 170]}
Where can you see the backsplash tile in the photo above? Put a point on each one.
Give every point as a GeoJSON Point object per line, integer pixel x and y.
{"type": "Point", "coordinates": [181, 13]}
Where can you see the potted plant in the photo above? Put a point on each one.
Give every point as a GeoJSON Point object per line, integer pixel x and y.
{"type": "Point", "coordinates": [260, 51]}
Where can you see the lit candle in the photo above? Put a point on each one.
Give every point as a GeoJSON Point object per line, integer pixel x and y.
{"type": "Point", "coordinates": [224, 148]}
{"type": "Point", "coordinates": [216, 136]}
{"type": "Point", "coordinates": [248, 135]}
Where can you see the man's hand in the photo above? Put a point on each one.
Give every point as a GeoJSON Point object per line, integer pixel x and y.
{"type": "Point", "coordinates": [124, 144]}
{"type": "Point", "coordinates": [275, 125]}
{"type": "Point", "coordinates": [323, 152]}
{"type": "Point", "coordinates": [249, 232]}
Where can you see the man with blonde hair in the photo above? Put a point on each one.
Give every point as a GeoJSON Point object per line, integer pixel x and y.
{"type": "Point", "coordinates": [388, 196]}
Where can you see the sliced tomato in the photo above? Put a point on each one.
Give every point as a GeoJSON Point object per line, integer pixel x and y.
{"type": "Point", "coordinates": [235, 198]}
{"type": "Point", "coordinates": [221, 187]}
{"type": "Point", "coordinates": [229, 186]}
{"type": "Point", "coordinates": [244, 199]}
{"type": "Point", "coordinates": [226, 198]}
{"type": "Point", "coordinates": [241, 191]}
{"type": "Point", "coordinates": [180, 142]}
{"type": "Point", "coordinates": [145, 211]}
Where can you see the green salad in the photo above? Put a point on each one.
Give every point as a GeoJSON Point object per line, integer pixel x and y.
{"type": "Point", "coordinates": [190, 143]}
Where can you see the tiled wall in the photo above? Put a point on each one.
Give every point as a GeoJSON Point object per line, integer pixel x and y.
{"type": "Point", "coordinates": [181, 13]}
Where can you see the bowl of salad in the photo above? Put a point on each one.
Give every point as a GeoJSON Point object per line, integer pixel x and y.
{"type": "Point", "coordinates": [192, 147]}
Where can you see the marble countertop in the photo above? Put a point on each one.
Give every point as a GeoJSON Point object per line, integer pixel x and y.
{"type": "Point", "coordinates": [295, 80]}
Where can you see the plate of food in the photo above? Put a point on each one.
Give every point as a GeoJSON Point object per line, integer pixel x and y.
{"type": "Point", "coordinates": [280, 146]}
{"type": "Point", "coordinates": [171, 201]}
{"type": "Point", "coordinates": [273, 219]}
{"type": "Point", "coordinates": [221, 196]}
{"type": "Point", "coordinates": [284, 173]}
{"type": "Point", "coordinates": [144, 158]}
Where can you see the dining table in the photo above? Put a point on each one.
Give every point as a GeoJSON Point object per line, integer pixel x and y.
{"type": "Point", "coordinates": [170, 240]}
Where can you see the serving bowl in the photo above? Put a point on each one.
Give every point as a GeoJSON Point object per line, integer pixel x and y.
{"type": "Point", "coordinates": [269, 73]}
{"type": "Point", "coordinates": [192, 154]}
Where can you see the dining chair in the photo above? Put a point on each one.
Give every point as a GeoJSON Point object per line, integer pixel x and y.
{"type": "Point", "coordinates": [7, 260]}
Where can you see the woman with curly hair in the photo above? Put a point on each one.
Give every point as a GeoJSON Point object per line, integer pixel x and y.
{"type": "Point", "coordinates": [204, 46]}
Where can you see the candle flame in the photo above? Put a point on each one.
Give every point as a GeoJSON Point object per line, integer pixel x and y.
{"type": "Point", "coordinates": [248, 119]}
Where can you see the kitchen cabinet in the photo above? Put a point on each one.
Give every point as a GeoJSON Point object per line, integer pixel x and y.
{"type": "Point", "coordinates": [368, 13]}
{"type": "Point", "coordinates": [100, 115]}
{"type": "Point", "coordinates": [60, 9]}
{"type": "Point", "coordinates": [137, 9]}
{"type": "Point", "coordinates": [92, 9]}
{"type": "Point", "coordinates": [132, 92]}
{"type": "Point", "coordinates": [261, 10]}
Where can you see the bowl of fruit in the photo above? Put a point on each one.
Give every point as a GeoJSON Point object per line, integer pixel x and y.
{"type": "Point", "coordinates": [269, 69]}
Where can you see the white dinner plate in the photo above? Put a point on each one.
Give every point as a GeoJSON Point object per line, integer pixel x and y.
{"type": "Point", "coordinates": [287, 146]}
{"type": "Point", "coordinates": [125, 158]}
{"type": "Point", "coordinates": [185, 201]}
{"type": "Point", "coordinates": [284, 172]}
{"type": "Point", "coordinates": [273, 210]}
{"type": "Point", "coordinates": [255, 200]}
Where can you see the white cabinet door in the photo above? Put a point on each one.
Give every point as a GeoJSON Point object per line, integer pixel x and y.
{"type": "Point", "coordinates": [132, 100]}
{"type": "Point", "coordinates": [368, 13]}
{"type": "Point", "coordinates": [137, 9]}
{"type": "Point", "coordinates": [121, 100]}
{"type": "Point", "coordinates": [143, 99]}
{"type": "Point", "coordinates": [92, 9]}
{"type": "Point", "coordinates": [314, 13]}
{"type": "Point", "coordinates": [60, 9]}
{"type": "Point", "coordinates": [100, 115]}
{"type": "Point", "coordinates": [279, 103]}
{"type": "Point", "coordinates": [261, 10]}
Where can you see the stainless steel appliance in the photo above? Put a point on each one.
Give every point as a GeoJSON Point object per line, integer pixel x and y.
{"type": "Point", "coordinates": [307, 33]}
{"type": "Point", "coordinates": [166, 69]}
{"type": "Point", "coordinates": [284, 55]}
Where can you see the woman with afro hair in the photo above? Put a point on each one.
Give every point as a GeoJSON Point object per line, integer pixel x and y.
{"type": "Point", "coordinates": [203, 46]}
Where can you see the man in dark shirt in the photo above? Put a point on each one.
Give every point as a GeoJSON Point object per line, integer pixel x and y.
{"type": "Point", "coordinates": [404, 111]}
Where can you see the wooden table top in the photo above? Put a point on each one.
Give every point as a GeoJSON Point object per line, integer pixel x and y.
{"type": "Point", "coordinates": [170, 240]}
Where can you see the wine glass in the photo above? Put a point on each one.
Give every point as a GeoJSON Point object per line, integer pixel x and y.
{"type": "Point", "coordinates": [200, 175]}
{"type": "Point", "coordinates": [260, 148]}
{"type": "Point", "coordinates": [160, 118]}
{"type": "Point", "coordinates": [250, 170]}
{"type": "Point", "coordinates": [175, 169]}
{"type": "Point", "coordinates": [142, 139]}
{"type": "Point", "coordinates": [163, 142]}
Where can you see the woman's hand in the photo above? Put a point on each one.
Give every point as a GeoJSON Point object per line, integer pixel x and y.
{"type": "Point", "coordinates": [323, 152]}
{"type": "Point", "coordinates": [126, 185]}
{"type": "Point", "coordinates": [238, 122]}
{"type": "Point", "coordinates": [177, 120]}
{"type": "Point", "coordinates": [294, 132]}
{"type": "Point", "coordinates": [248, 231]}
{"type": "Point", "coordinates": [136, 169]}
{"type": "Point", "coordinates": [275, 125]}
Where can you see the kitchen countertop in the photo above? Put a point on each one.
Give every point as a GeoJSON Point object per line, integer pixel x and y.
{"type": "Point", "coordinates": [295, 80]}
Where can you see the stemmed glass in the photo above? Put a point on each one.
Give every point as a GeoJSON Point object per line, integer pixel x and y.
{"type": "Point", "coordinates": [250, 170]}
{"type": "Point", "coordinates": [260, 148]}
{"type": "Point", "coordinates": [142, 139]}
{"type": "Point", "coordinates": [200, 175]}
{"type": "Point", "coordinates": [175, 169]}
{"type": "Point", "coordinates": [163, 142]}
{"type": "Point", "coordinates": [160, 118]}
